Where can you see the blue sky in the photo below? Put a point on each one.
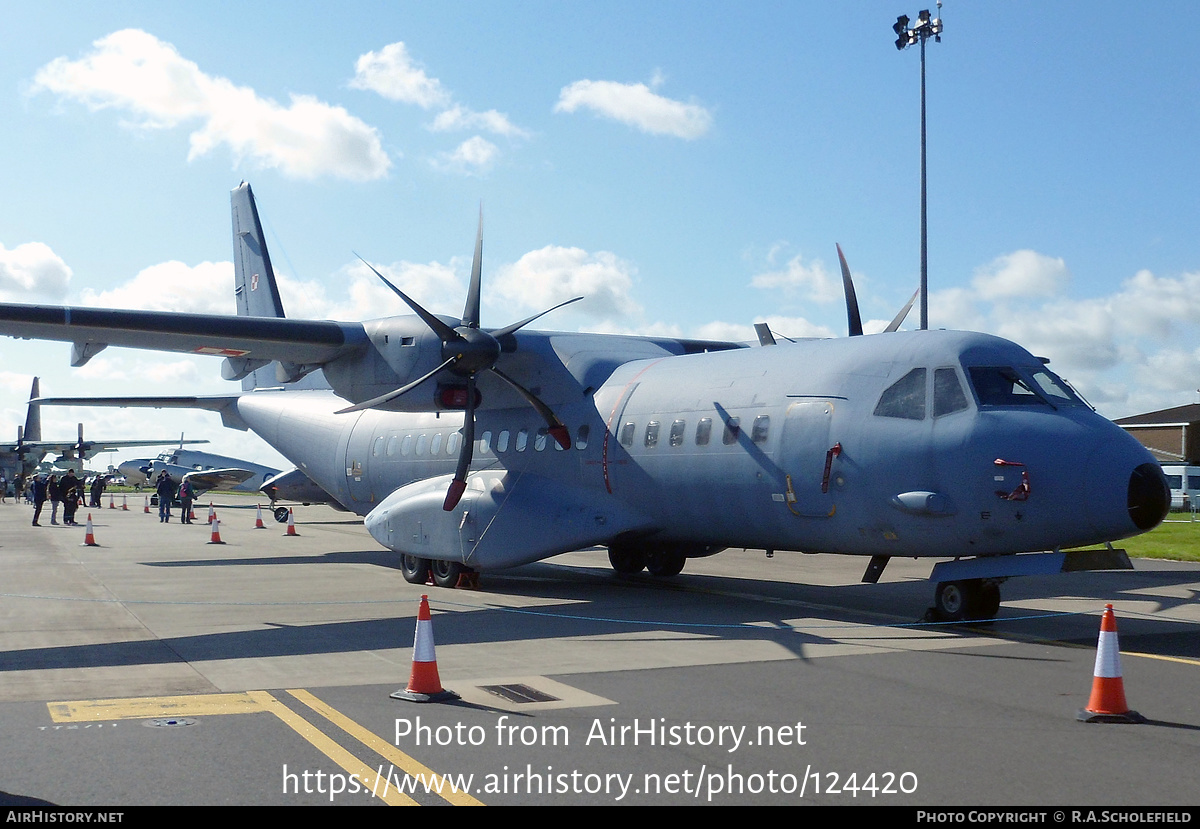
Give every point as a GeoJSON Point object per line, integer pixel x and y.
{"type": "Point", "coordinates": [686, 166]}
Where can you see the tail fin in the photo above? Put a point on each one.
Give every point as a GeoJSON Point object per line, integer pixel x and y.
{"type": "Point", "coordinates": [33, 418]}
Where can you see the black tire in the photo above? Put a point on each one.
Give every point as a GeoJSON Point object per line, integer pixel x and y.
{"type": "Point", "coordinates": [626, 560]}
{"type": "Point", "coordinates": [665, 563]}
{"type": "Point", "coordinates": [281, 514]}
{"type": "Point", "coordinates": [955, 601]}
{"type": "Point", "coordinates": [414, 569]}
{"type": "Point", "coordinates": [446, 573]}
{"type": "Point", "coordinates": [988, 603]}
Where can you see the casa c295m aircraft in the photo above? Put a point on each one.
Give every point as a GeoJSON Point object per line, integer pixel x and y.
{"type": "Point", "coordinates": [468, 447]}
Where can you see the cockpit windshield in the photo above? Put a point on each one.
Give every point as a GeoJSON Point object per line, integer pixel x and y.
{"type": "Point", "coordinates": [1009, 386]}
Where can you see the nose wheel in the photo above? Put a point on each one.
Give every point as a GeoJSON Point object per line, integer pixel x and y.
{"type": "Point", "coordinates": [966, 600]}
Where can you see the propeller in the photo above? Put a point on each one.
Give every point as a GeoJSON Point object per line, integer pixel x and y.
{"type": "Point", "coordinates": [853, 319]}
{"type": "Point", "coordinates": [467, 350]}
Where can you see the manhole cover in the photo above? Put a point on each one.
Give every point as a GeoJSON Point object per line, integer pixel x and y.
{"type": "Point", "coordinates": [169, 722]}
{"type": "Point", "coordinates": [519, 693]}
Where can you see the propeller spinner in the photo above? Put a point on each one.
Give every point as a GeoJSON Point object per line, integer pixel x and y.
{"type": "Point", "coordinates": [467, 350]}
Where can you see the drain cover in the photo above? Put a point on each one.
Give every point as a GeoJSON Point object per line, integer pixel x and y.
{"type": "Point", "coordinates": [169, 722]}
{"type": "Point", "coordinates": [519, 693]}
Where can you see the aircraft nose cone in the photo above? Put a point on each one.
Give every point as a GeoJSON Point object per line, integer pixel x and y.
{"type": "Point", "coordinates": [1149, 496]}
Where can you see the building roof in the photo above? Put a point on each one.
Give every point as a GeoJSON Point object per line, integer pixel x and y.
{"type": "Point", "coordinates": [1179, 414]}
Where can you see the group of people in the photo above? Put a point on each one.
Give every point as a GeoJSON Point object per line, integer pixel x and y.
{"type": "Point", "coordinates": [164, 485]}
{"type": "Point", "coordinates": [67, 491]}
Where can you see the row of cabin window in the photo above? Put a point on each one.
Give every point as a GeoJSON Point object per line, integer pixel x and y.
{"type": "Point", "coordinates": [439, 444]}
{"type": "Point", "coordinates": [759, 432]}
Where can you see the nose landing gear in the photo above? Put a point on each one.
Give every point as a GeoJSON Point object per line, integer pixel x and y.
{"type": "Point", "coordinates": [966, 600]}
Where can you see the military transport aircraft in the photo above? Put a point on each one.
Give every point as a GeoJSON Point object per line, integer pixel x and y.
{"type": "Point", "coordinates": [22, 458]}
{"type": "Point", "coordinates": [469, 447]}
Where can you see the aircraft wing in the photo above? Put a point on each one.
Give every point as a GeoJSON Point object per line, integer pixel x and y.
{"type": "Point", "coordinates": [250, 338]}
{"type": "Point", "coordinates": [224, 404]}
{"type": "Point", "coordinates": [208, 479]}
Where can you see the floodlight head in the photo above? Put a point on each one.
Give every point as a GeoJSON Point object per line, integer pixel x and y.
{"type": "Point", "coordinates": [901, 25]}
{"type": "Point", "coordinates": [923, 16]}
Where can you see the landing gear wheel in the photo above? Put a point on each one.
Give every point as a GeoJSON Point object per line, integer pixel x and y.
{"type": "Point", "coordinates": [626, 560]}
{"type": "Point", "coordinates": [665, 563]}
{"type": "Point", "coordinates": [988, 603]}
{"type": "Point", "coordinates": [446, 573]}
{"type": "Point", "coordinates": [281, 514]}
{"type": "Point", "coordinates": [415, 570]}
{"type": "Point", "coordinates": [955, 601]}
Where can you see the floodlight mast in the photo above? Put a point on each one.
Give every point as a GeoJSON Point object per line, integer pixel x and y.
{"type": "Point", "coordinates": [906, 36]}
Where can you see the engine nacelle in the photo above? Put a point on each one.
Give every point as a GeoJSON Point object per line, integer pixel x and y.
{"type": "Point", "coordinates": [399, 350]}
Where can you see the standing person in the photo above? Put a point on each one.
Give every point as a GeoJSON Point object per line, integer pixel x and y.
{"type": "Point", "coordinates": [72, 494]}
{"type": "Point", "coordinates": [54, 493]}
{"type": "Point", "coordinates": [38, 490]}
{"type": "Point", "coordinates": [3, 489]}
{"type": "Point", "coordinates": [165, 487]}
{"type": "Point", "coordinates": [186, 496]}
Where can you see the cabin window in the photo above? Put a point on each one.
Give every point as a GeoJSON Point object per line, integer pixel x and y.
{"type": "Point", "coordinates": [582, 440]}
{"type": "Point", "coordinates": [422, 444]}
{"type": "Point", "coordinates": [677, 430]}
{"type": "Point", "coordinates": [761, 429]}
{"type": "Point", "coordinates": [539, 440]}
{"type": "Point", "coordinates": [485, 442]}
{"type": "Point", "coordinates": [703, 431]}
{"type": "Point", "coordinates": [391, 445]}
{"type": "Point", "coordinates": [627, 434]}
{"type": "Point", "coordinates": [522, 439]}
{"type": "Point", "coordinates": [377, 448]}
{"type": "Point", "coordinates": [651, 434]}
{"type": "Point", "coordinates": [733, 428]}
{"type": "Point", "coordinates": [948, 395]}
{"type": "Point", "coordinates": [406, 445]}
{"type": "Point", "coordinates": [905, 398]}
{"type": "Point", "coordinates": [435, 445]}
{"type": "Point", "coordinates": [502, 441]}
{"type": "Point", "coordinates": [452, 443]}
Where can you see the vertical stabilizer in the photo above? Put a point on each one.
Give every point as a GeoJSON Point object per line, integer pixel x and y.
{"type": "Point", "coordinates": [33, 418]}
{"type": "Point", "coordinates": [254, 287]}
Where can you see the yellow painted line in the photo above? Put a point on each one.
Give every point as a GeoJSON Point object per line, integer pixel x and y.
{"type": "Point", "coordinates": [382, 747]}
{"type": "Point", "coordinates": [367, 776]}
{"type": "Point", "coordinates": [140, 708]}
{"type": "Point", "coordinates": [1181, 659]}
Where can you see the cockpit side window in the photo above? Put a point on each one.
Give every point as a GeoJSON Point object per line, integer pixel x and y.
{"type": "Point", "coordinates": [905, 398]}
{"type": "Point", "coordinates": [948, 394]}
{"type": "Point", "coordinates": [1003, 386]}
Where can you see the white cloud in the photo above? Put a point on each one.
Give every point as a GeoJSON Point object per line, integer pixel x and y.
{"type": "Point", "coordinates": [814, 280]}
{"type": "Point", "coordinates": [134, 71]}
{"type": "Point", "coordinates": [1022, 273]}
{"type": "Point", "coordinates": [461, 118]}
{"type": "Point", "coordinates": [554, 274]}
{"type": "Point", "coordinates": [206, 288]}
{"type": "Point", "coordinates": [475, 155]}
{"type": "Point", "coordinates": [392, 73]}
{"type": "Point", "coordinates": [636, 105]}
{"type": "Point", "coordinates": [433, 286]}
{"type": "Point", "coordinates": [32, 270]}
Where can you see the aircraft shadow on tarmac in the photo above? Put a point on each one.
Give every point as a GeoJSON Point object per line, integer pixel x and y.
{"type": "Point", "coordinates": [594, 602]}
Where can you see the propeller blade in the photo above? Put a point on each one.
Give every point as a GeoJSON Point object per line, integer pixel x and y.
{"type": "Point", "coordinates": [556, 427]}
{"type": "Point", "coordinates": [508, 329]}
{"type": "Point", "coordinates": [392, 395]}
{"type": "Point", "coordinates": [459, 485]}
{"type": "Point", "coordinates": [470, 317]}
{"type": "Point", "coordinates": [853, 319]}
{"type": "Point", "coordinates": [894, 325]}
{"type": "Point", "coordinates": [445, 332]}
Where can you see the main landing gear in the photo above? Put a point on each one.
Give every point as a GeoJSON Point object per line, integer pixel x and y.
{"type": "Point", "coordinates": [966, 600]}
{"type": "Point", "coordinates": [417, 570]}
{"type": "Point", "coordinates": [662, 562]}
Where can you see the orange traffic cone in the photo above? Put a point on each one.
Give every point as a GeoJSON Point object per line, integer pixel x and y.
{"type": "Point", "coordinates": [258, 522]}
{"type": "Point", "coordinates": [1107, 703]}
{"type": "Point", "coordinates": [212, 513]}
{"type": "Point", "coordinates": [112, 504]}
{"type": "Point", "coordinates": [216, 532]}
{"type": "Point", "coordinates": [291, 530]}
{"type": "Point", "coordinates": [147, 507]}
{"type": "Point", "coordinates": [424, 684]}
{"type": "Point", "coordinates": [125, 503]}
{"type": "Point", "coordinates": [89, 538]}
{"type": "Point", "coordinates": [191, 515]}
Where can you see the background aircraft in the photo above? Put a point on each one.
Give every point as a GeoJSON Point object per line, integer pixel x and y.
{"type": "Point", "coordinates": [466, 447]}
{"type": "Point", "coordinates": [205, 470]}
{"type": "Point", "coordinates": [24, 456]}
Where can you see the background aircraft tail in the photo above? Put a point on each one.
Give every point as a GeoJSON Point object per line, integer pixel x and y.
{"type": "Point", "coordinates": [256, 292]}
{"type": "Point", "coordinates": [33, 418]}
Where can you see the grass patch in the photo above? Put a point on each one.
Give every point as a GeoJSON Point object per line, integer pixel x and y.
{"type": "Point", "coordinates": [1177, 538]}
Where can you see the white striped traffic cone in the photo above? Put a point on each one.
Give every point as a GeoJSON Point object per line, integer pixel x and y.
{"type": "Point", "coordinates": [216, 532]}
{"type": "Point", "coordinates": [212, 513]}
{"type": "Point", "coordinates": [258, 522]}
{"type": "Point", "coordinates": [1107, 703]}
{"type": "Point", "coordinates": [89, 537]}
{"type": "Point", "coordinates": [112, 504]}
{"type": "Point", "coordinates": [291, 530]}
{"type": "Point", "coordinates": [125, 503]}
{"type": "Point", "coordinates": [146, 509]}
{"type": "Point", "coordinates": [424, 685]}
